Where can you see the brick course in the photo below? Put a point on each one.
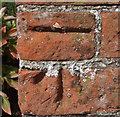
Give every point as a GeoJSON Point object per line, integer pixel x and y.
{"type": "Point", "coordinates": [68, 94]}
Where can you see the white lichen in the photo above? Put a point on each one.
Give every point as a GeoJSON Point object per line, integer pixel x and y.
{"type": "Point", "coordinates": [52, 70]}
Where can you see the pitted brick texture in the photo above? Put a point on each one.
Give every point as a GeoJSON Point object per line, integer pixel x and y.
{"type": "Point", "coordinates": [56, 36]}
{"type": "Point", "coordinates": [55, 46]}
{"type": "Point", "coordinates": [68, 94]}
{"type": "Point", "coordinates": [110, 37]}
{"type": "Point", "coordinates": [38, 93]}
{"type": "Point", "coordinates": [82, 20]}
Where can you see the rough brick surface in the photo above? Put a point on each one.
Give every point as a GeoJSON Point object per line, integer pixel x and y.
{"type": "Point", "coordinates": [55, 46]}
{"type": "Point", "coordinates": [110, 35]}
{"type": "Point", "coordinates": [55, 36]}
{"type": "Point", "coordinates": [38, 93]}
{"type": "Point", "coordinates": [66, 94]}
{"type": "Point", "coordinates": [83, 20]}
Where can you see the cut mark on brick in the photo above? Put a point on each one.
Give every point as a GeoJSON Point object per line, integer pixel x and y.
{"type": "Point", "coordinates": [60, 20]}
{"type": "Point", "coordinates": [60, 89]}
{"type": "Point", "coordinates": [60, 30]}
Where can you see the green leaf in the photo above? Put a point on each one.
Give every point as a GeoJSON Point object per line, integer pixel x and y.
{"type": "Point", "coordinates": [12, 83]}
{"type": "Point", "coordinates": [13, 75]}
{"type": "Point", "coordinates": [2, 81]}
{"type": "Point", "coordinates": [7, 70]}
{"type": "Point", "coordinates": [6, 105]}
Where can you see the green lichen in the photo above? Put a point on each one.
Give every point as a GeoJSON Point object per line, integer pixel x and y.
{"type": "Point", "coordinates": [73, 84]}
{"type": "Point", "coordinates": [75, 106]}
{"type": "Point", "coordinates": [71, 3]}
{"type": "Point", "coordinates": [61, 103]}
{"type": "Point", "coordinates": [61, 109]}
{"type": "Point", "coordinates": [47, 37]}
{"type": "Point", "coordinates": [22, 100]}
{"type": "Point", "coordinates": [39, 84]}
{"type": "Point", "coordinates": [30, 105]}
{"type": "Point", "coordinates": [82, 101]}
{"type": "Point", "coordinates": [79, 89]}
{"type": "Point", "coordinates": [69, 102]}
{"type": "Point", "coordinates": [37, 91]}
{"type": "Point", "coordinates": [77, 37]}
{"type": "Point", "coordinates": [86, 82]}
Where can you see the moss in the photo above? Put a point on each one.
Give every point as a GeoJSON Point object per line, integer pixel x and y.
{"type": "Point", "coordinates": [70, 3]}
{"type": "Point", "coordinates": [87, 37]}
{"type": "Point", "coordinates": [76, 37]}
{"type": "Point", "coordinates": [69, 102]}
{"type": "Point", "coordinates": [80, 17]}
{"type": "Point", "coordinates": [83, 100]}
{"type": "Point", "coordinates": [60, 106]}
{"type": "Point", "coordinates": [39, 84]}
{"type": "Point", "coordinates": [82, 86]}
{"type": "Point", "coordinates": [61, 103]}
{"type": "Point", "coordinates": [79, 89]}
{"type": "Point", "coordinates": [30, 105]}
{"type": "Point", "coordinates": [22, 100]}
{"type": "Point", "coordinates": [84, 3]}
{"type": "Point", "coordinates": [47, 37]}
{"type": "Point", "coordinates": [61, 109]}
{"type": "Point", "coordinates": [73, 84]}
{"type": "Point", "coordinates": [79, 3]}
{"type": "Point", "coordinates": [87, 82]}
{"type": "Point", "coordinates": [37, 91]}
{"type": "Point", "coordinates": [75, 106]}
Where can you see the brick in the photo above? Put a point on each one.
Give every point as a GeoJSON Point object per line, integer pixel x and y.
{"type": "Point", "coordinates": [83, 20]}
{"type": "Point", "coordinates": [39, 41]}
{"type": "Point", "coordinates": [38, 93]}
{"type": "Point", "coordinates": [70, 95]}
{"type": "Point", "coordinates": [91, 96]}
{"type": "Point", "coordinates": [55, 46]}
{"type": "Point", "coordinates": [110, 35]}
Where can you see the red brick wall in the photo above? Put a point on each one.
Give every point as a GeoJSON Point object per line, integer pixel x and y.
{"type": "Point", "coordinates": [69, 58]}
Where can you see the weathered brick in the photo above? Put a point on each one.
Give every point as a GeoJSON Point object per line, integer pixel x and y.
{"type": "Point", "coordinates": [91, 96]}
{"type": "Point", "coordinates": [67, 94]}
{"type": "Point", "coordinates": [55, 36]}
{"type": "Point", "coordinates": [38, 93]}
{"type": "Point", "coordinates": [55, 46]}
{"type": "Point", "coordinates": [83, 20]}
{"type": "Point", "coordinates": [110, 34]}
